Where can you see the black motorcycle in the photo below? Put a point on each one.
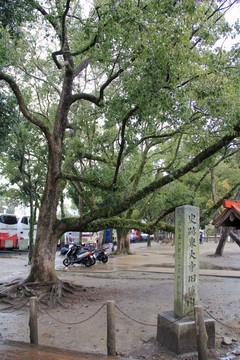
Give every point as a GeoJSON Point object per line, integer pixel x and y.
{"type": "Point", "coordinates": [77, 256]}
{"type": "Point", "coordinates": [101, 255]}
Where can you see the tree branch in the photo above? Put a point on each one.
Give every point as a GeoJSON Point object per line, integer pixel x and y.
{"type": "Point", "coordinates": [224, 157]}
{"type": "Point", "coordinates": [124, 122]}
{"type": "Point", "coordinates": [64, 35]}
{"type": "Point", "coordinates": [89, 156]}
{"type": "Point", "coordinates": [83, 96]}
{"type": "Point", "coordinates": [108, 82]}
{"type": "Point", "coordinates": [47, 82]}
{"type": "Point", "coordinates": [76, 224]}
{"type": "Point", "coordinates": [81, 192]}
{"type": "Point", "coordinates": [84, 64]}
{"type": "Point", "coordinates": [88, 47]}
{"type": "Point", "coordinates": [23, 107]}
{"type": "Point", "coordinates": [47, 16]}
{"type": "Point", "coordinates": [54, 56]}
{"type": "Point", "coordinates": [91, 182]}
{"type": "Point", "coordinates": [165, 213]}
{"type": "Point", "coordinates": [220, 8]}
{"type": "Point", "coordinates": [92, 98]}
{"type": "Point", "coordinates": [140, 194]}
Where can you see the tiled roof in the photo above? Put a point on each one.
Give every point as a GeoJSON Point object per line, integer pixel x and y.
{"type": "Point", "coordinates": [230, 216]}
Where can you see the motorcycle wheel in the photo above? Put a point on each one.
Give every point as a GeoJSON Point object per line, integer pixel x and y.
{"type": "Point", "coordinates": [105, 260]}
{"type": "Point", "coordinates": [66, 262]}
{"type": "Point", "coordinates": [88, 263]}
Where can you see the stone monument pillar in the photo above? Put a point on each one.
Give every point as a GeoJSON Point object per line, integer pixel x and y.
{"type": "Point", "coordinates": [186, 259]}
{"type": "Point", "coordinates": [176, 329]}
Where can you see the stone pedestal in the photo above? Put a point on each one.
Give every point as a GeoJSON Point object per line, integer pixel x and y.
{"type": "Point", "coordinates": [179, 336]}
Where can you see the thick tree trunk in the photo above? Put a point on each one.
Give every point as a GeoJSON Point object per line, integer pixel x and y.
{"type": "Point", "coordinates": [222, 241]}
{"type": "Point", "coordinates": [123, 240]}
{"type": "Point", "coordinates": [156, 236]}
{"type": "Point", "coordinates": [235, 238]}
{"type": "Point", "coordinates": [31, 233]}
{"type": "Point", "coordinates": [127, 242]}
{"type": "Point", "coordinates": [100, 239]}
{"type": "Point", "coordinates": [149, 241]}
{"type": "Point", "coordinates": [80, 208]}
{"type": "Point", "coordinates": [62, 217]}
{"type": "Point", "coordinates": [43, 260]}
{"type": "Point", "coordinates": [214, 196]}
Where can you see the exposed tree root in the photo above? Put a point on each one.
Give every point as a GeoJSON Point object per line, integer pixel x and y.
{"type": "Point", "coordinates": [18, 292]}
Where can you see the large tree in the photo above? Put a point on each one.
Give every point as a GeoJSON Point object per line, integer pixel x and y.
{"type": "Point", "coordinates": [128, 79]}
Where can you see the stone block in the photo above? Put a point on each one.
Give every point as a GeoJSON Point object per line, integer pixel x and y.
{"type": "Point", "coordinates": [179, 336]}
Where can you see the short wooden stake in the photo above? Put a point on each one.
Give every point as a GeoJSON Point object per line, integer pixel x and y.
{"type": "Point", "coordinates": [202, 337]}
{"type": "Point", "coordinates": [111, 330]}
{"type": "Point", "coordinates": [33, 321]}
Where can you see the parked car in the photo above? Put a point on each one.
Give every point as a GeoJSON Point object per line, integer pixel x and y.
{"type": "Point", "coordinates": [145, 236]}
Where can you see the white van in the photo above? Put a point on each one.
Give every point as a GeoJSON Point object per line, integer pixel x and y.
{"type": "Point", "coordinates": [72, 237]}
{"type": "Point", "coordinates": [8, 231]}
{"type": "Point", "coordinates": [23, 232]}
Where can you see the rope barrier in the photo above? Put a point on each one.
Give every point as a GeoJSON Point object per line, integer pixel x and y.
{"type": "Point", "coordinates": [15, 307]}
{"type": "Point", "coordinates": [142, 323]}
{"type": "Point", "coordinates": [72, 323]}
{"type": "Point", "coordinates": [220, 322]}
{"type": "Point", "coordinates": [129, 317]}
{"type": "Point", "coordinates": [178, 319]}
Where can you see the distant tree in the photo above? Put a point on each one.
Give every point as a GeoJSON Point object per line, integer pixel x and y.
{"type": "Point", "coordinates": [8, 115]}
{"type": "Point", "coordinates": [24, 165]}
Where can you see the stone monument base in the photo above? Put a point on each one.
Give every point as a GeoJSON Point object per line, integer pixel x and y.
{"type": "Point", "coordinates": [179, 336]}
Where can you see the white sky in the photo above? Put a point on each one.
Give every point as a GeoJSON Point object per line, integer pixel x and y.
{"type": "Point", "coordinates": [232, 16]}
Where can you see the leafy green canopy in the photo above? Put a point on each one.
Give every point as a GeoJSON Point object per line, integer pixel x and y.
{"type": "Point", "coordinates": [13, 13]}
{"type": "Point", "coordinates": [8, 119]}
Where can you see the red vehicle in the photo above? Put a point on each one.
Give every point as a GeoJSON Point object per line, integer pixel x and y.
{"type": "Point", "coordinates": [8, 231]}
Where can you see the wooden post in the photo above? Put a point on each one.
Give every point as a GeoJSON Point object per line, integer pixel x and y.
{"type": "Point", "coordinates": [33, 321]}
{"type": "Point", "coordinates": [202, 337]}
{"type": "Point", "coordinates": [111, 331]}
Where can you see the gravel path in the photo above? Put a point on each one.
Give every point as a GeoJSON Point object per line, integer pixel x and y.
{"type": "Point", "coordinates": [142, 285]}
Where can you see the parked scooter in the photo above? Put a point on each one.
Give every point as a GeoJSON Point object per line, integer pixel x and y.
{"type": "Point", "coordinates": [101, 255]}
{"type": "Point", "coordinates": [76, 256]}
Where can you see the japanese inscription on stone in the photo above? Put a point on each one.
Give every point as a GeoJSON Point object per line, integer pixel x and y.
{"type": "Point", "coordinates": [186, 259]}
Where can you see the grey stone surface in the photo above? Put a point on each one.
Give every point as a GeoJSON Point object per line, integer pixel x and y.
{"type": "Point", "coordinates": [186, 259]}
{"type": "Point", "coordinates": [179, 336]}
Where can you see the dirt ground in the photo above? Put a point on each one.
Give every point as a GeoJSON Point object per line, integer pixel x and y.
{"type": "Point", "coordinates": [142, 285]}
